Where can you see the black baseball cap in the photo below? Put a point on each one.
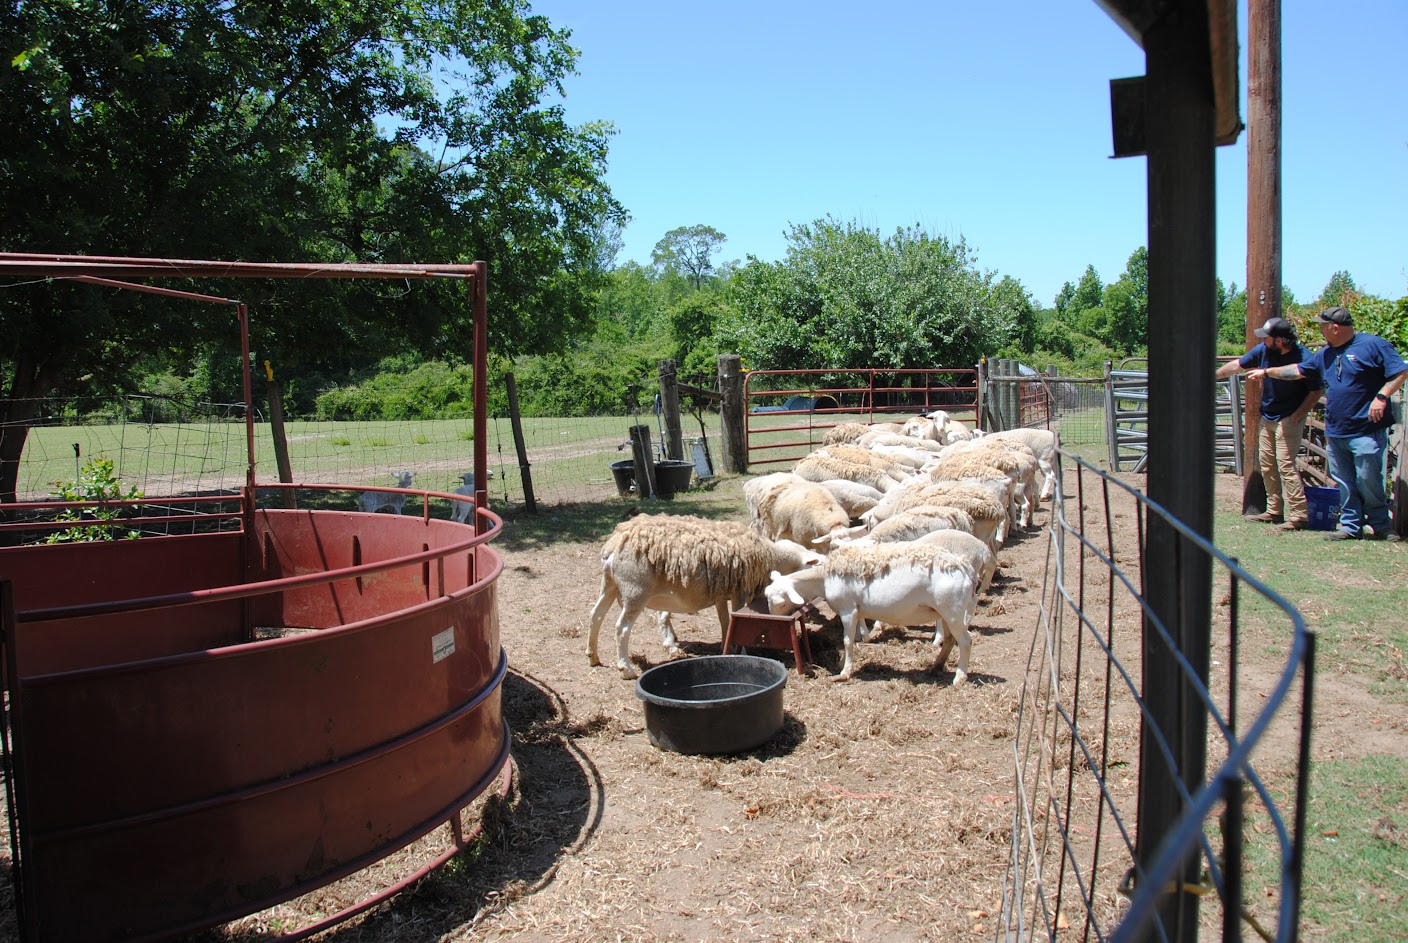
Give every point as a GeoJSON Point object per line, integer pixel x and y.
{"type": "Point", "coordinates": [1277, 327]}
{"type": "Point", "coordinates": [1335, 315]}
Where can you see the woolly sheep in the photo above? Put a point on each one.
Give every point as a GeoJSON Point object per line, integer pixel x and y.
{"type": "Point", "coordinates": [373, 501]}
{"type": "Point", "coordinates": [754, 490]}
{"type": "Point", "coordinates": [900, 584]}
{"type": "Point", "coordinates": [1042, 442]}
{"type": "Point", "coordinates": [871, 439]}
{"type": "Point", "coordinates": [855, 497]}
{"type": "Point", "coordinates": [819, 468]}
{"type": "Point", "coordinates": [680, 563]}
{"type": "Point", "coordinates": [863, 456]}
{"type": "Point", "coordinates": [986, 511]}
{"type": "Point", "coordinates": [805, 513]}
{"type": "Point", "coordinates": [844, 432]}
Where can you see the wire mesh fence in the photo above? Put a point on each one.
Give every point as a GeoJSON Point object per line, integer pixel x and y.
{"type": "Point", "coordinates": [167, 447]}
{"type": "Point", "coordinates": [1075, 866]}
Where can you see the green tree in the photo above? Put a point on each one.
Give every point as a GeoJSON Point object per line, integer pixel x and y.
{"type": "Point", "coordinates": [1089, 291]}
{"type": "Point", "coordinates": [380, 130]}
{"type": "Point", "coordinates": [845, 297]}
{"type": "Point", "coordinates": [1340, 290]}
{"type": "Point", "coordinates": [688, 251]}
{"type": "Point", "coordinates": [1126, 304]}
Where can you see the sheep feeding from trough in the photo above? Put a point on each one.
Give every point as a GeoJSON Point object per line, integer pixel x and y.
{"type": "Point", "coordinates": [899, 584]}
{"type": "Point", "coordinates": [681, 563]}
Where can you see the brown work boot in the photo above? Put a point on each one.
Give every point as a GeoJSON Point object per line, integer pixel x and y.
{"type": "Point", "coordinates": [1265, 517]}
{"type": "Point", "coordinates": [1295, 523]}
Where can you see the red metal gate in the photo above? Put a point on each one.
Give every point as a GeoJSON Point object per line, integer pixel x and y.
{"type": "Point", "coordinates": [787, 412]}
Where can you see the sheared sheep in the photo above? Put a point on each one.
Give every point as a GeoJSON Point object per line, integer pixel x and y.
{"type": "Point", "coordinates": [680, 563]}
{"type": "Point", "coordinates": [986, 510]}
{"type": "Point", "coordinates": [900, 584]}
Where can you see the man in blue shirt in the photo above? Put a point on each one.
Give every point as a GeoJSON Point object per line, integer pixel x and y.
{"type": "Point", "coordinates": [1360, 373]}
{"type": "Point", "coordinates": [1284, 406]}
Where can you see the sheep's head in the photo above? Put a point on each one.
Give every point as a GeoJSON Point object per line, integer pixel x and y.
{"type": "Point", "coordinates": [404, 479]}
{"type": "Point", "coordinates": [782, 596]}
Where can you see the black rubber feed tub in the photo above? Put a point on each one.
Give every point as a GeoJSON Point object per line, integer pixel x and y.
{"type": "Point", "coordinates": [713, 703]}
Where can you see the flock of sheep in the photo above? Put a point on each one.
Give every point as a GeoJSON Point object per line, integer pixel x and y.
{"type": "Point", "coordinates": [895, 522]}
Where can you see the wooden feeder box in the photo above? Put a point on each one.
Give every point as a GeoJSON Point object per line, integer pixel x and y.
{"type": "Point", "coordinates": [754, 627]}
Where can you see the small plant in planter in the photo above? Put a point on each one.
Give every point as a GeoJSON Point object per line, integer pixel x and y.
{"type": "Point", "coordinates": [97, 481]}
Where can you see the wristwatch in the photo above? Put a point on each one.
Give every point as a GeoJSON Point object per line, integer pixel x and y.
{"type": "Point", "coordinates": [1381, 396]}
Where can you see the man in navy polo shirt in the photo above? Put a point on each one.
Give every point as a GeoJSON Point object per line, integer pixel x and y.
{"type": "Point", "coordinates": [1284, 406]}
{"type": "Point", "coordinates": [1360, 373]}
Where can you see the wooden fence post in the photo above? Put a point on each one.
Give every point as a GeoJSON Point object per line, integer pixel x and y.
{"type": "Point", "coordinates": [735, 433]}
{"type": "Point", "coordinates": [276, 424]}
{"type": "Point", "coordinates": [644, 461]}
{"type": "Point", "coordinates": [670, 408]}
{"type": "Point", "coordinates": [516, 421]}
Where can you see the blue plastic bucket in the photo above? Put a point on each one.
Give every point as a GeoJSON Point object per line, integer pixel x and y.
{"type": "Point", "coordinates": [1324, 506]}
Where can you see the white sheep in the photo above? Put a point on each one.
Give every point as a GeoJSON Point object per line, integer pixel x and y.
{"type": "Point", "coordinates": [844, 432]}
{"type": "Point", "coordinates": [756, 488]}
{"type": "Point", "coordinates": [985, 509]}
{"type": "Point", "coordinates": [680, 563]}
{"type": "Point", "coordinates": [817, 467]}
{"type": "Point", "coordinates": [373, 501]}
{"type": "Point", "coordinates": [855, 497]}
{"type": "Point", "coordinates": [462, 508]}
{"type": "Point", "coordinates": [900, 584]}
{"type": "Point", "coordinates": [1042, 442]}
{"type": "Point", "coordinates": [806, 513]}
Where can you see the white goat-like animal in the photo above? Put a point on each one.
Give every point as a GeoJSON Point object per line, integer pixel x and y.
{"type": "Point", "coordinates": [462, 508]}
{"type": "Point", "coordinates": [900, 584]}
{"type": "Point", "coordinates": [373, 501]}
{"type": "Point", "coordinates": [680, 563]}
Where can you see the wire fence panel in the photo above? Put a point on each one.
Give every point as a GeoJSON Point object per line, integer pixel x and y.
{"type": "Point", "coordinates": [1073, 870]}
{"type": "Point", "coordinates": [167, 447]}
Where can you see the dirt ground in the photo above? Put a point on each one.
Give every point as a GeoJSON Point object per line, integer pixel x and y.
{"type": "Point", "coordinates": [883, 811]}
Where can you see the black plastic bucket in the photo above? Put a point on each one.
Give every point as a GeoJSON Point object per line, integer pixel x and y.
{"type": "Point", "coordinates": [713, 703]}
{"type": "Point", "coordinates": [672, 476]}
{"type": "Point", "coordinates": [625, 474]}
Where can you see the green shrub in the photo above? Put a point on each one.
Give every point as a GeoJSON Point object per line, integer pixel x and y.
{"type": "Point", "coordinates": [97, 481]}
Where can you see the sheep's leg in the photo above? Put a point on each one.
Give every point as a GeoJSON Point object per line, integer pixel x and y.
{"type": "Point", "coordinates": [950, 633]}
{"type": "Point", "coordinates": [1024, 515]}
{"type": "Point", "coordinates": [667, 634]}
{"type": "Point", "coordinates": [988, 572]}
{"type": "Point", "coordinates": [723, 607]}
{"type": "Point", "coordinates": [850, 624]}
{"type": "Point", "coordinates": [609, 595]}
{"type": "Point", "coordinates": [630, 611]}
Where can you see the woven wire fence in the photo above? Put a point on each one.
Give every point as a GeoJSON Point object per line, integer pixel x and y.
{"type": "Point", "coordinates": [1073, 865]}
{"type": "Point", "coordinates": [166, 447]}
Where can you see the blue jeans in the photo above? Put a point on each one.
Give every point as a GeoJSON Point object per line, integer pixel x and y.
{"type": "Point", "coordinates": [1357, 465]}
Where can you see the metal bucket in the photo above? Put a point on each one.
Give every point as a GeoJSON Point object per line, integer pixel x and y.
{"type": "Point", "coordinates": [713, 703]}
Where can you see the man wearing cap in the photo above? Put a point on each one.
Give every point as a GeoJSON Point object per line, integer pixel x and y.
{"type": "Point", "coordinates": [1284, 406]}
{"type": "Point", "coordinates": [1360, 372]}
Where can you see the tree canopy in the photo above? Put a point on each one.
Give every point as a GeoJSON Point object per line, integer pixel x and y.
{"type": "Point", "coordinates": [373, 130]}
{"type": "Point", "coordinates": [688, 251]}
{"type": "Point", "coordinates": [846, 297]}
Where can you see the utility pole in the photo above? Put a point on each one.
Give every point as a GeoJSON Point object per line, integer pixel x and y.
{"type": "Point", "coordinates": [1263, 213]}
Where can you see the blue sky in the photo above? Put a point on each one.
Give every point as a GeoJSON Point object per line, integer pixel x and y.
{"type": "Point", "coordinates": [982, 120]}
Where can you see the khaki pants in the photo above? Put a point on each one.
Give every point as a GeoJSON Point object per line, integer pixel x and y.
{"type": "Point", "coordinates": [1277, 445]}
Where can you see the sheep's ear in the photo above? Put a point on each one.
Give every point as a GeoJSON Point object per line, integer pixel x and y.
{"type": "Point", "coordinates": [822, 541]}
{"type": "Point", "coordinates": [795, 596]}
{"type": "Point", "coordinates": [775, 575]}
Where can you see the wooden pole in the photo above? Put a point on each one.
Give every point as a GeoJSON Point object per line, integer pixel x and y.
{"type": "Point", "coordinates": [644, 462]}
{"type": "Point", "coordinates": [276, 425]}
{"type": "Point", "coordinates": [1178, 577]}
{"type": "Point", "coordinates": [1263, 215]}
{"type": "Point", "coordinates": [525, 474]}
{"type": "Point", "coordinates": [670, 409]}
{"type": "Point", "coordinates": [735, 431]}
